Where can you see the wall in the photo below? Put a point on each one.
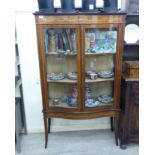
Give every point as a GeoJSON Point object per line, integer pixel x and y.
{"type": "Point", "coordinates": [26, 33]}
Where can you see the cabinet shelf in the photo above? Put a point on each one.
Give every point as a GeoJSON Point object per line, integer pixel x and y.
{"type": "Point", "coordinates": [99, 80]}
{"type": "Point", "coordinates": [62, 81]}
{"type": "Point", "coordinates": [62, 104]}
{"type": "Point", "coordinates": [55, 53]}
{"type": "Point", "coordinates": [99, 53]}
{"type": "Point", "coordinates": [65, 105]}
{"type": "Point", "coordinates": [74, 81]}
{"type": "Point", "coordinates": [102, 105]}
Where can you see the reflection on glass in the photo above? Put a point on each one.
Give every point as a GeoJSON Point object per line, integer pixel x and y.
{"type": "Point", "coordinates": [100, 41]}
{"type": "Point", "coordinates": [62, 95]}
{"type": "Point", "coordinates": [98, 94]}
{"type": "Point", "coordinates": [99, 68]}
{"type": "Point", "coordinates": [62, 41]}
{"type": "Point", "coordinates": [61, 60]}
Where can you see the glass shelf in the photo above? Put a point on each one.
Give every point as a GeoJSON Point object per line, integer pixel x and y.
{"type": "Point", "coordinates": [87, 54]}
{"type": "Point", "coordinates": [60, 105]}
{"type": "Point", "coordinates": [99, 80]}
{"type": "Point", "coordinates": [62, 81]}
{"type": "Point", "coordinates": [101, 105]}
{"type": "Point", "coordinates": [56, 53]}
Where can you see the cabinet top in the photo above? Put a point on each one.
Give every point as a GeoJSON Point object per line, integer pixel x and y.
{"type": "Point", "coordinates": [79, 18]}
{"type": "Point", "coordinates": [38, 13]}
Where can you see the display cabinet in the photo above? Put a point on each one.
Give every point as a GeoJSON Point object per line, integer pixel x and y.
{"type": "Point", "coordinates": [80, 58]}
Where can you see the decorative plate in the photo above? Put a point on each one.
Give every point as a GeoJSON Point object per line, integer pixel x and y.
{"type": "Point", "coordinates": [56, 76]}
{"type": "Point", "coordinates": [91, 103]}
{"type": "Point", "coordinates": [105, 99]}
{"type": "Point", "coordinates": [105, 74]}
{"type": "Point", "coordinates": [61, 51]}
{"type": "Point", "coordinates": [131, 33]}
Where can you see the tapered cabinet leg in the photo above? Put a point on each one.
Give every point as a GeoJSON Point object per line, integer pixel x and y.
{"type": "Point", "coordinates": [49, 124]}
{"type": "Point", "coordinates": [116, 123]}
{"type": "Point", "coordinates": [46, 131]}
{"type": "Point", "coordinates": [112, 123]}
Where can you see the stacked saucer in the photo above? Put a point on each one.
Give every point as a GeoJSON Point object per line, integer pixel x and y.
{"type": "Point", "coordinates": [90, 103]}
{"type": "Point", "coordinates": [105, 99]}
{"type": "Point", "coordinates": [105, 74]}
{"type": "Point", "coordinates": [56, 76]}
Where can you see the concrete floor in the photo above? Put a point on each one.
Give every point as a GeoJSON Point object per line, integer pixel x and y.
{"type": "Point", "coordinates": [94, 142]}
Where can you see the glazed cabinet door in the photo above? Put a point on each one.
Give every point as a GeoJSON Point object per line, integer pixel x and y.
{"type": "Point", "coordinates": [60, 71]}
{"type": "Point", "coordinates": [101, 68]}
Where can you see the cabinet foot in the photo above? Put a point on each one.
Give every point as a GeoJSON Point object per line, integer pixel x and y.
{"type": "Point", "coordinates": [49, 124]}
{"type": "Point", "coordinates": [123, 146]}
{"type": "Point", "coordinates": [46, 131]}
{"type": "Point", "coordinates": [116, 121]}
{"type": "Point", "coordinates": [112, 123]}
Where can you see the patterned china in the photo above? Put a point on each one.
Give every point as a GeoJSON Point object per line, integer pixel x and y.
{"type": "Point", "coordinates": [91, 75]}
{"type": "Point", "coordinates": [72, 101]}
{"type": "Point", "coordinates": [91, 103]}
{"type": "Point", "coordinates": [105, 74]}
{"type": "Point", "coordinates": [56, 101]}
{"type": "Point", "coordinates": [56, 76]}
{"type": "Point", "coordinates": [72, 75]}
{"type": "Point", "coordinates": [105, 99]}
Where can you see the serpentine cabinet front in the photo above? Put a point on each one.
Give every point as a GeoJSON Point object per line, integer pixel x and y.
{"type": "Point", "coordinates": [80, 58]}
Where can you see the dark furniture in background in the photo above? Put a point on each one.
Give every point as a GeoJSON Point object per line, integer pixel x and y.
{"type": "Point", "coordinates": [129, 120]}
{"type": "Point", "coordinates": [129, 128]}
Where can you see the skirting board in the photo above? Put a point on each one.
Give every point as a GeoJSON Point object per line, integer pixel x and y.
{"type": "Point", "coordinates": [71, 128]}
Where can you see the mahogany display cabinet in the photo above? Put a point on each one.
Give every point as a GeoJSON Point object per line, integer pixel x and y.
{"type": "Point", "coordinates": [80, 58]}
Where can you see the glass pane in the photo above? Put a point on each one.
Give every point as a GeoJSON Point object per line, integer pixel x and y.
{"type": "Point", "coordinates": [100, 49]}
{"type": "Point", "coordinates": [61, 60]}
{"type": "Point", "coordinates": [100, 41]}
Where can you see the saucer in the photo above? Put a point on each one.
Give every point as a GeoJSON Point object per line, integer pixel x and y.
{"type": "Point", "coordinates": [105, 99]}
{"type": "Point", "coordinates": [56, 76]}
{"type": "Point", "coordinates": [90, 103]}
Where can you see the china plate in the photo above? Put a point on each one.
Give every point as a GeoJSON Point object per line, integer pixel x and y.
{"type": "Point", "coordinates": [105, 74]}
{"type": "Point", "coordinates": [131, 33]}
{"type": "Point", "coordinates": [56, 76]}
{"type": "Point", "coordinates": [92, 103]}
{"type": "Point", "coordinates": [105, 99]}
